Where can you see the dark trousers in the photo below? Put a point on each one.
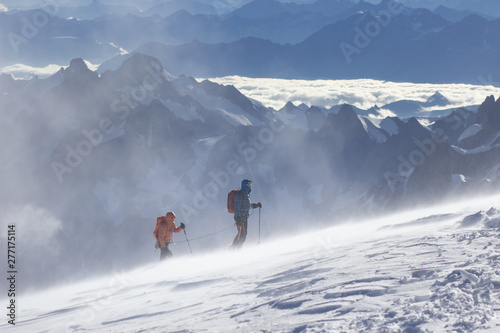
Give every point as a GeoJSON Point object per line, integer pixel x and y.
{"type": "Point", "coordinates": [242, 225]}
{"type": "Point", "coordinates": [165, 252]}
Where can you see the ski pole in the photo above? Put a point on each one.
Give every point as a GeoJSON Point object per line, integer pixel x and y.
{"type": "Point", "coordinates": [187, 241]}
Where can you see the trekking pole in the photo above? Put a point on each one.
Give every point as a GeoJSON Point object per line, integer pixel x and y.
{"type": "Point", "coordinates": [259, 222]}
{"type": "Point", "coordinates": [187, 240]}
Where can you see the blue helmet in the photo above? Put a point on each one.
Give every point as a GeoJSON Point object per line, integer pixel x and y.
{"type": "Point", "coordinates": [246, 186]}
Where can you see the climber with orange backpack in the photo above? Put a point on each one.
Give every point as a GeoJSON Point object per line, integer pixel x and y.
{"type": "Point", "coordinates": [165, 226]}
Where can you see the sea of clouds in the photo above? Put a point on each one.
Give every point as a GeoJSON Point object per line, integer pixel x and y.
{"type": "Point", "coordinates": [25, 72]}
{"type": "Point", "coordinates": [362, 93]}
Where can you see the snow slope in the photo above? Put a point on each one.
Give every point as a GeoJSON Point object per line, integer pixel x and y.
{"type": "Point", "coordinates": [430, 270]}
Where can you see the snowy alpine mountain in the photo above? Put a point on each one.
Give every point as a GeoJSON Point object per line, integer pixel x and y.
{"type": "Point", "coordinates": [431, 270]}
{"type": "Point", "coordinates": [327, 39]}
{"type": "Point", "coordinates": [370, 130]}
{"type": "Point", "coordinates": [104, 155]}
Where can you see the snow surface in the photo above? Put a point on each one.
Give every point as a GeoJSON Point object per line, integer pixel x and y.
{"type": "Point", "coordinates": [429, 270]}
{"type": "Point", "coordinates": [471, 131]}
{"type": "Point", "coordinates": [373, 129]}
{"type": "Point", "coordinates": [386, 124]}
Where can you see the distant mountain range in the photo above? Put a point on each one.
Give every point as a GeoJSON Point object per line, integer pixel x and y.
{"type": "Point", "coordinates": [97, 31]}
{"type": "Point", "coordinates": [324, 39]}
{"type": "Point", "coordinates": [96, 8]}
{"type": "Point", "coordinates": [487, 7]}
{"type": "Point", "coordinates": [419, 47]}
{"type": "Point", "coordinates": [107, 154]}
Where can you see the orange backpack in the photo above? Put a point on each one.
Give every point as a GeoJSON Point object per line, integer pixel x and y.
{"type": "Point", "coordinates": [158, 221]}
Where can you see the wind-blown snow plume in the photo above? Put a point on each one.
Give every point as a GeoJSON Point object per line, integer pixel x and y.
{"type": "Point", "coordinates": [37, 226]}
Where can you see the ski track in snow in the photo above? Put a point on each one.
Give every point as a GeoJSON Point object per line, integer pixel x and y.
{"type": "Point", "coordinates": [426, 271]}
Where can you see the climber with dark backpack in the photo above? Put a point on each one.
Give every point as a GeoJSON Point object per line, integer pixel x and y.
{"type": "Point", "coordinates": [238, 203]}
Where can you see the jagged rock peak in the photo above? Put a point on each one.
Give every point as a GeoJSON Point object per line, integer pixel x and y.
{"type": "Point", "coordinates": [289, 106]}
{"type": "Point", "coordinates": [138, 69]}
{"type": "Point", "coordinates": [140, 65]}
{"type": "Point", "coordinates": [78, 65]}
{"type": "Point", "coordinates": [437, 99]}
{"type": "Point", "coordinates": [346, 111]}
{"type": "Point", "coordinates": [78, 70]}
{"type": "Point", "coordinates": [488, 114]}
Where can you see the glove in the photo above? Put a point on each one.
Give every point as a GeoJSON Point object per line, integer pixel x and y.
{"type": "Point", "coordinates": [256, 205]}
{"type": "Point", "coordinates": [182, 226]}
{"type": "Point", "coordinates": [157, 245]}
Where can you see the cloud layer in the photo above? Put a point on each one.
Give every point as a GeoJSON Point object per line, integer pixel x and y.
{"type": "Point", "coordinates": [363, 93]}
{"type": "Point", "coordinates": [25, 72]}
